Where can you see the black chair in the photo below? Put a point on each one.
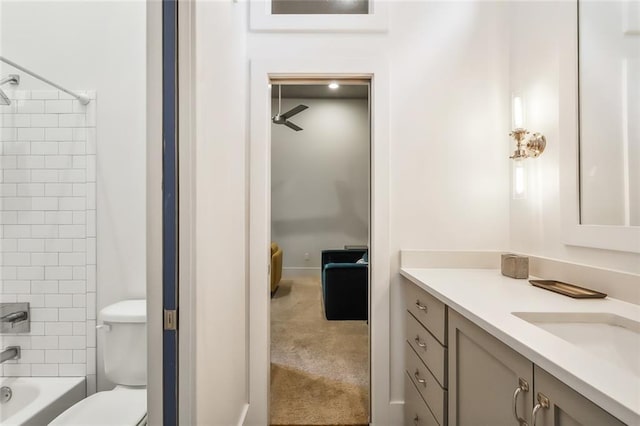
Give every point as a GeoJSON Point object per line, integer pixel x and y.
{"type": "Point", "coordinates": [345, 285]}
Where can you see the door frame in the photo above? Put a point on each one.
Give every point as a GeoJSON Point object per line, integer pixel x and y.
{"type": "Point", "coordinates": [258, 314]}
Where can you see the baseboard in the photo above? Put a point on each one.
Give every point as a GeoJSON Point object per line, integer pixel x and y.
{"type": "Point", "coordinates": [292, 272]}
{"type": "Point", "coordinates": [396, 413]}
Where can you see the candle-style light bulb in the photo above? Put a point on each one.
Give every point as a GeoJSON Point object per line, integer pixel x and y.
{"type": "Point", "coordinates": [519, 179]}
{"type": "Point", "coordinates": [518, 112]}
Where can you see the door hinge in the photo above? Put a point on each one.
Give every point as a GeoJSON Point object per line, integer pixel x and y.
{"type": "Point", "coordinates": [170, 319]}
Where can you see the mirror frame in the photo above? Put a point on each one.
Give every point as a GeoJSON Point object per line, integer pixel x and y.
{"type": "Point", "coordinates": [261, 19]}
{"type": "Point", "coordinates": [619, 238]}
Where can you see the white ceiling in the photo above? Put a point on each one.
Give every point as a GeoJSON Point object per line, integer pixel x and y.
{"type": "Point", "coordinates": [306, 91]}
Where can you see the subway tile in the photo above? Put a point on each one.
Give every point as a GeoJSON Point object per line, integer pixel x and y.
{"type": "Point", "coordinates": [45, 175]}
{"type": "Point", "coordinates": [45, 203]}
{"type": "Point", "coordinates": [30, 162]}
{"type": "Point", "coordinates": [80, 134]}
{"type": "Point", "coordinates": [44, 314]}
{"type": "Point", "coordinates": [10, 134]}
{"type": "Point", "coordinates": [73, 203]}
{"type": "Point", "coordinates": [79, 272]}
{"type": "Point", "coordinates": [58, 356]}
{"type": "Point", "coordinates": [79, 356]}
{"type": "Point", "coordinates": [72, 231]}
{"type": "Point", "coordinates": [91, 360]}
{"type": "Point", "coordinates": [16, 286]}
{"type": "Point", "coordinates": [17, 370]}
{"type": "Point", "coordinates": [16, 176]}
{"type": "Point", "coordinates": [30, 356]}
{"type": "Point", "coordinates": [58, 245]}
{"type": "Point", "coordinates": [44, 370]}
{"type": "Point", "coordinates": [8, 298]}
{"type": "Point", "coordinates": [91, 334]}
{"type": "Point", "coordinates": [44, 259]}
{"type": "Point", "coordinates": [72, 370]}
{"type": "Point", "coordinates": [58, 218]}
{"type": "Point", "coordinates": [44, 342]}
{"type": "Point", "coordinates": [16, 259]}
{"type": "Point", "coordinates": [8, 244]}
{"type": "Point", "coordinates": [44, 231]}
{"type": "Point", "coordinates": [79, 218]}
{"type": "Point", "coordinates": [58, 329]}
{"type": "Point", "coordinates": [58, 301]}
{"type": "Point", "coordinates": [91, 251]}
{"type": "Point", "coordinates": [58, 272]}
{"type": "Point", "coordinates": [79, 162]}
{"type": "Point", "coordinates": [8, 162]}
{"type": "Point", "coordinates": [58, 189]}
{"type": "Point", "coordinates": [91, 278]}
{"type": "Point", "coordinates": [36, 301]}
{"type": "Point", "coordinates": [79, 327]}
{"type": "Point", "coordinates": [91, 306]}
{"type": "Point", "coordinates": [58, 162]}
{"type": "Point", "coordinates": [30, 189]}
{"type": "Point", "coordinates": [80, 245]}
{"type": "Point", "coordinates": [91, 384]}
{"type": "Point", "coordinates": [72, 120]}
{"type": "Point", "coordinates": [30, 273]}
{"type": "Point", "coordinates": [58, 106]}
{"type": "Point", "coordinates": [58, 134]}
{"type": "Point", "coordinates": [16, 148]}
{"type": "Point", "coordinates": [79, 301]}
{"type": "Point", "coordinates": [31, 245]}
{"type": "Point", "coordinates": [72, 259]}
{"type": "Point", "coordinates": [15, 120]}
{"type": "Point", "coordinates": [8, 190]}
{"type": "Point", "coordinates": [91, 141]}
{"type": "Point", "coordinates": [16, 231]}
{"type": "Point", "coordinates": [72, 287]}
{"type": "Point", "coordinates": [44, 287]}
{"type": "Point", "coordinates": [44, 148]}
{"type": "Point", "coordinates": [91, 223]}
{"type": "Point", "coordinates": [72, 148]}
{"type": "Point", "coordinates": [72, 342]}
{"type": "Point", "coordinates": [30, 106]}
{"type": "Point", "coordinates": [30, 217]}
{"type": "Point", "coordinates": [44, 120]}
{"type": "Point", "coordinates": [30, 134]}
{"type": "Point", "coordinates": [72, 314]}
{"type": "Point", "coordinates": [72, 175]}
{"type": "Point", "coordinates": [91, 168]}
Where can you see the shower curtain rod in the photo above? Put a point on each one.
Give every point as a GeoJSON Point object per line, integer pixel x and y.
{"type": "Point", "coordinates": [84, 99]}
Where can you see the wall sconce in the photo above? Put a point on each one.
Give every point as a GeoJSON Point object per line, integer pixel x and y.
{"type": "Point", "coordinates": [527, 146]}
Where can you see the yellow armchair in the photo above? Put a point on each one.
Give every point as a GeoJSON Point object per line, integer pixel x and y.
{"type": "Point", "coordinates": [276, 266]}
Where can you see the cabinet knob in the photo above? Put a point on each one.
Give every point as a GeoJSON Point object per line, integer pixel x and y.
{"type": "Point", "coordinates": [416, 420]}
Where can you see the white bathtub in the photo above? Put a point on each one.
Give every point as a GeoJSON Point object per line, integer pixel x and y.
{"type": "Point", "coordinates": [38, 400]}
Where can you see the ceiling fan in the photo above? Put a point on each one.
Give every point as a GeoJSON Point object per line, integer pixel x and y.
{"type": "Point", "coordinates": [283, 118]}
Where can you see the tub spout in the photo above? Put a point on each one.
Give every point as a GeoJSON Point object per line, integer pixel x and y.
{"type": "Point", "coordinates": [10, 352]}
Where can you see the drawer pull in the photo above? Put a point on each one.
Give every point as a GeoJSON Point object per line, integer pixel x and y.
{"type": "Point", "coordinates": [543, 402]}
{"type": "Point", "coordinates": [421, 381]}
{"type": "Point", "coordinates": [420, 306]}
{"type": "Point", "coordinates": [523, 386]}
{"type": "Point", "coordinates": [419, 343]}
{"type": "Point", "coordinates": [416, 420]}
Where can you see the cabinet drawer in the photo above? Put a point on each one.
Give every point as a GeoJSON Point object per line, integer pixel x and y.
{"type": "Point", "coordinates": [427, 385]}
{"type": "Point", "coordinates": [416, 412]}
{"type": "Point", "coordinates": [428, 310]}
{"type": "Point", "coordinates": [430, 351]}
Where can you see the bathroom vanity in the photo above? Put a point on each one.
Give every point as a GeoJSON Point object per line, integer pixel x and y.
{"type": "Point", "coordinates": [485, 349]}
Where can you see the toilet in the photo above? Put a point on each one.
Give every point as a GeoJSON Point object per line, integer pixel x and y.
{"type": "Point", "coordinates": [125, 364]}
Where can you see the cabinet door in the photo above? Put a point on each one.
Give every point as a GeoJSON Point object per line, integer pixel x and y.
{"type": "Point", "coordinates": [484, 375]}
{"type": "Point", "coordinates": [566, 407]}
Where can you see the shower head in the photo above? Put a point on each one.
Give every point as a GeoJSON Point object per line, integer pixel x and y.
{"type": "Point", "coordinates": [13, 79]}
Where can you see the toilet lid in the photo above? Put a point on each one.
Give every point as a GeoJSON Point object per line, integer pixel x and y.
{"type": "Point", "coordinates": [119, 407]}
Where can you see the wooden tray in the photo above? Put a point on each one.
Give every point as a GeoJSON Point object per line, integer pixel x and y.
{"type": "Point", "coordinates": [568, 289]}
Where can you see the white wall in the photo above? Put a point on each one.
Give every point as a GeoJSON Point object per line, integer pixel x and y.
{"type": "Point", "coordinates": [448, 143]}
{"type": "Point", "coordinates": [100, 46]}
{"type": "Point", "coordinates": [536, 59]}
{"type": "Point", "coordinates": [320, 179]}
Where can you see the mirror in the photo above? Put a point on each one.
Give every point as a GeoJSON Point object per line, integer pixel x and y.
{"type": "Point", "coordinates": [609, 111]}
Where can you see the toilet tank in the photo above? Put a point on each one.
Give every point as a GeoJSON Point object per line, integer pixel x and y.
{"type": "Point", "coordinates": [125, 342]}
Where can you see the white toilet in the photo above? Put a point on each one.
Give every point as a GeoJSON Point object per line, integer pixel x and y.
{"type": "Point", "coordinates": [125, 364]}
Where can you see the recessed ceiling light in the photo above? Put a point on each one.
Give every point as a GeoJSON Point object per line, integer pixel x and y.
{"type": "Point", "coordinates": [333, 85]}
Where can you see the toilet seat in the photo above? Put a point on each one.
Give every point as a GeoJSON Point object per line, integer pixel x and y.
{"type": "Point", "coordinates": [119, 407]}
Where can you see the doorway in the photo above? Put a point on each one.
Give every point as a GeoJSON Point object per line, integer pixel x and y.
{"type": "Point", "coordinates": [319, 284]}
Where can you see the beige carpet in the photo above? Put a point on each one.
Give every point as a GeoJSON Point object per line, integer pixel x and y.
{"type": "Point", "coordinates": [319, 368]}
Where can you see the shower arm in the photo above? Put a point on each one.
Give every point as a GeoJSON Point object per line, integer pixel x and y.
{"type": "Point", "coordinates": [84, 99]}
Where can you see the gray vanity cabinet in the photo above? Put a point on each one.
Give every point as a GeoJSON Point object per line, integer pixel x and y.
{"type": "Point", "coordinates": [485, 378]}
{"type": "Point", "coordinates": [559, 405]}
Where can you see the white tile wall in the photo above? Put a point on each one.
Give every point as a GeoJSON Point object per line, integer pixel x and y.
{"type": "Point", "coordinates": [48, 231]}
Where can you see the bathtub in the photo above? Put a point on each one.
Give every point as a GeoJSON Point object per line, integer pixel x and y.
{"type": "Point", "coordinates": [38, 400]}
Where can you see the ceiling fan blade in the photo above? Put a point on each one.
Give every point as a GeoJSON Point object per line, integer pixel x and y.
{"type": "Point", "coordinates": [292, 126]}
{"type": "Point", "coordinates": [294, 111]}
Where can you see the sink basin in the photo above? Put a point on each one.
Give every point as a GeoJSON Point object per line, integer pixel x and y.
{"type": "Point", "coordinates": [611, 337]}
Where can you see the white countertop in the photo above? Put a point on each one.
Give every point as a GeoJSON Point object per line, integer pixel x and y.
{"type": "Point", "coordinates": [488, 298]}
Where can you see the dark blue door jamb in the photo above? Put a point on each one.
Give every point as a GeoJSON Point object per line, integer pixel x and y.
{"type": "Point", "coordinates": [170, 210]}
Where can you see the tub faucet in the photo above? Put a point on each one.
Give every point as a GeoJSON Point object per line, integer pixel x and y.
{"type": "Point", "coordinates": [10, 352]}
{"type": "Point", "coordinates": [15, 317]}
